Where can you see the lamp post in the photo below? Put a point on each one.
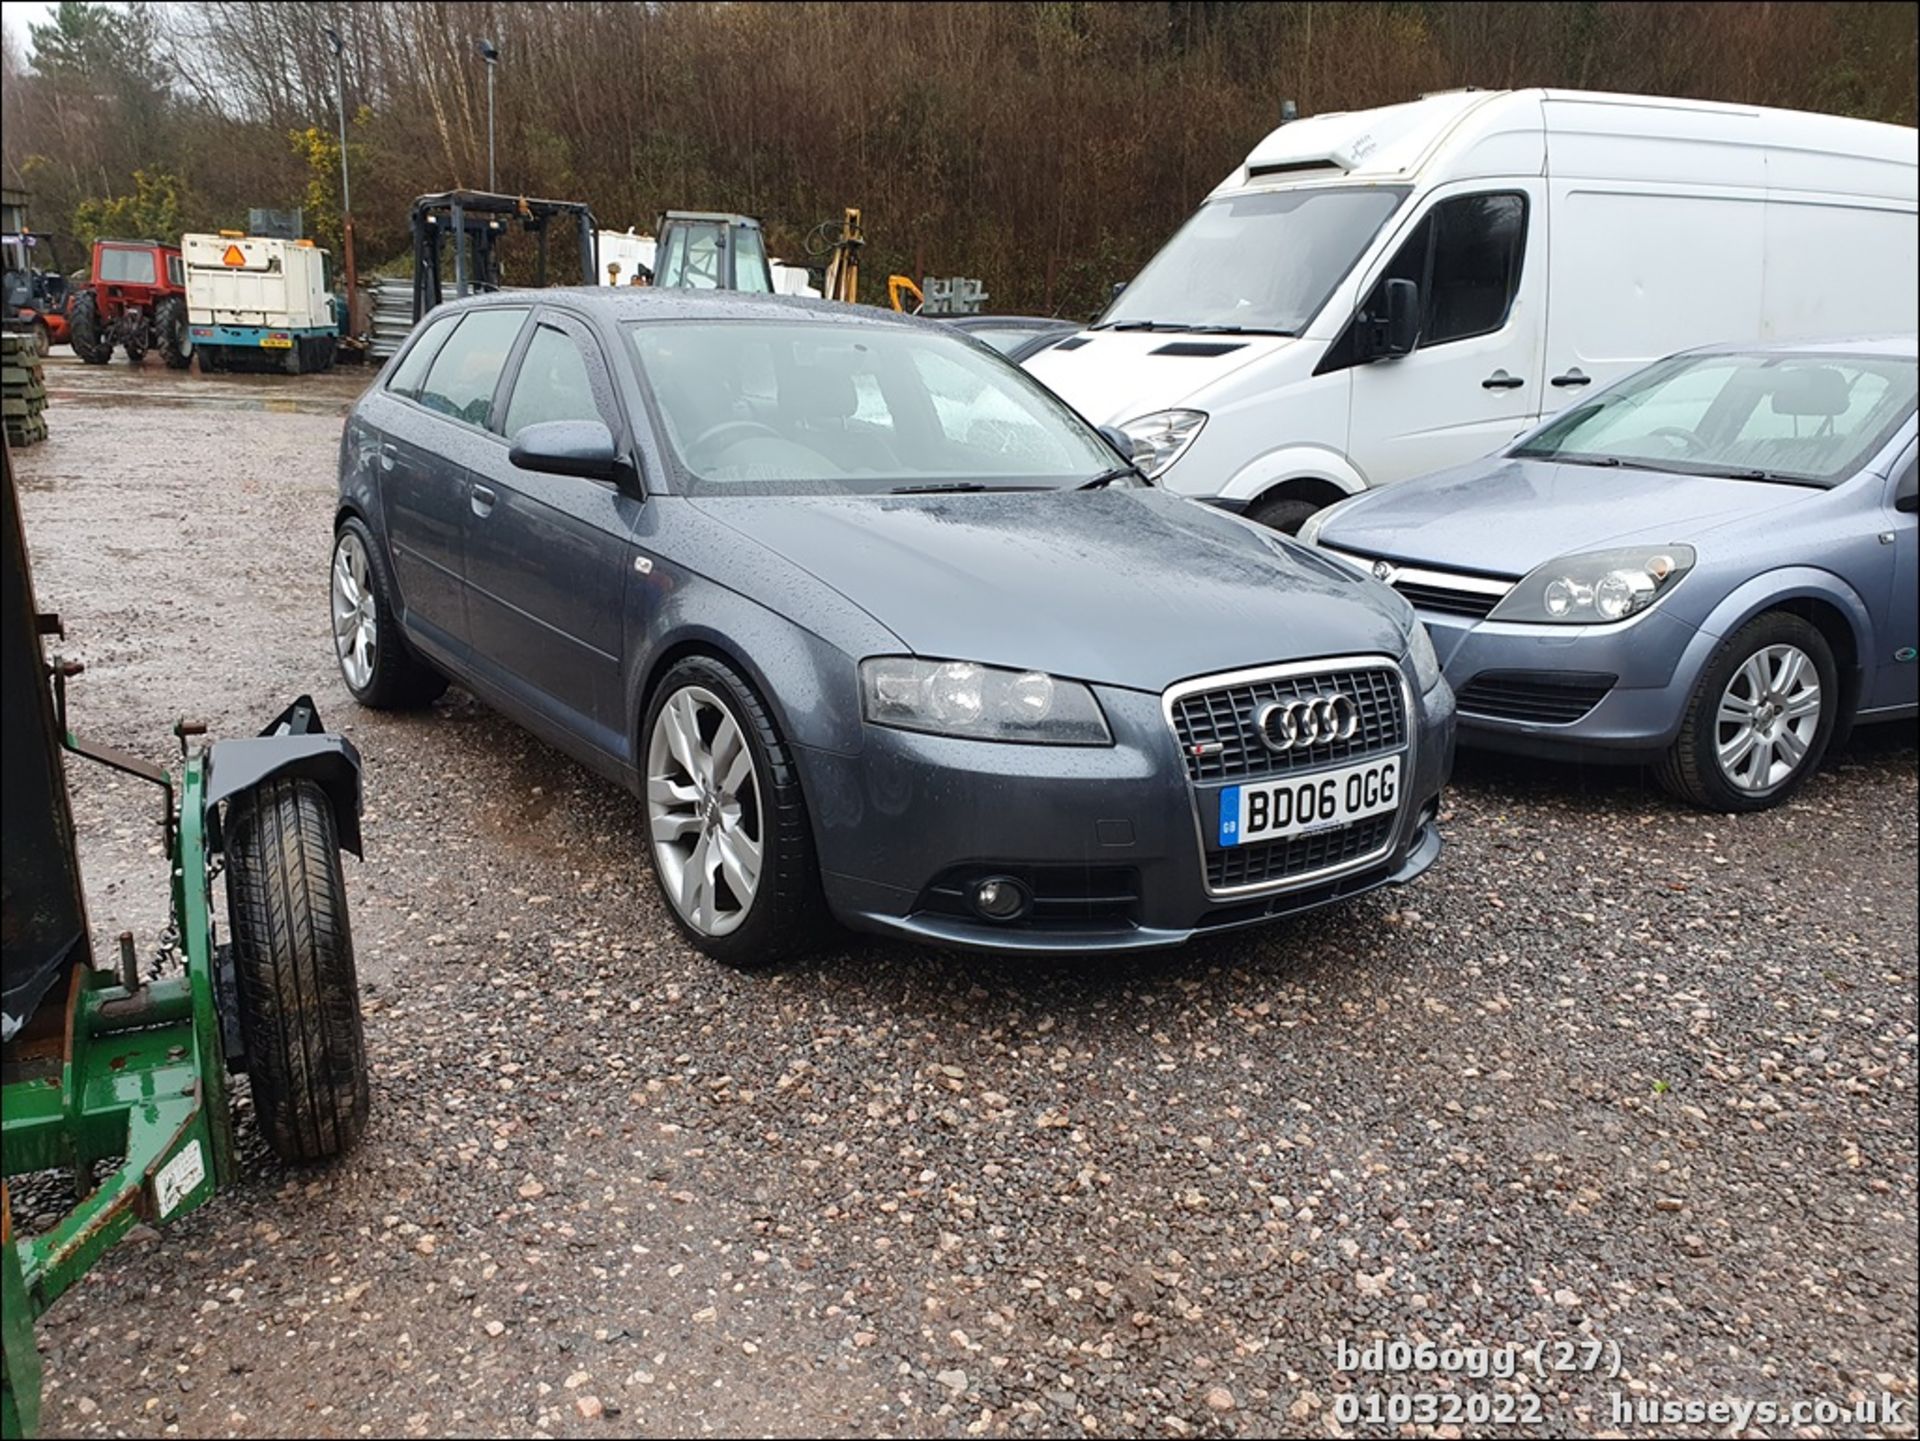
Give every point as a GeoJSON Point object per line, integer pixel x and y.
{"type": "Point", "coordinates": [346, 188]}
{"type": "Point", "coordinates": [490, 53]}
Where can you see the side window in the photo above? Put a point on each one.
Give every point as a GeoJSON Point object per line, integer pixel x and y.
{"type": "Point", "coordinates": [1907, 489]}
{"type": "Point", "coordinates": [553, 383]}
{"type": "Point", "coordinates": [461, 381]}
{"type": "Point", "coordinates": [412, 368]}
{"type": "Point", "coordinates": [1465, 256]}
{"type": "Point", "coordinates": [176, 273]}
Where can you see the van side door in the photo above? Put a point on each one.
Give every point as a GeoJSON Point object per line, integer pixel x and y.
{"type": "Point", "coordinates": [1473, 380]}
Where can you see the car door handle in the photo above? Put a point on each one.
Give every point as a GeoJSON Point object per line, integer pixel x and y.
{"type": "Point", "coordinates": [482, 500]}
{"type": "Point", "coordinates": [1572, 377]}
{"type": "Point", "coordinates": [388, 455]}
{"type": "Point", "coordinates": [1500, 380]}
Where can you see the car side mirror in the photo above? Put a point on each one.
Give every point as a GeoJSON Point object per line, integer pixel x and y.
{"type": "Point", "coordinates": [568, 447]}
{"type": "Point", "coordinates": [1120, 441]}
{"type": "Point", "coordinates": [1907, 502]}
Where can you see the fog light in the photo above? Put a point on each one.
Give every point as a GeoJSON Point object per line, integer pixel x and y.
{"type": "Point", "coordinates": [999, 899]}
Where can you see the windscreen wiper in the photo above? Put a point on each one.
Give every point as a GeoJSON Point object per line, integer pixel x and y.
{"type": "Point", "coordinates": [1137, 325]}
{"type": "Point", "coordinates": [1108, 477]}
{"type": "Point", "coordinates": [1237, 330]}
{"type": "Point", "coordinates": [955, 487]}
{"type": "Point", "coordinates": [1774, 475]}
{"type": "Point", "coordinates": [1609, 462]}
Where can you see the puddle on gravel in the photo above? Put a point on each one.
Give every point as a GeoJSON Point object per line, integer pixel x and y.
{"type": "Point", "coordinates": [70, 382]}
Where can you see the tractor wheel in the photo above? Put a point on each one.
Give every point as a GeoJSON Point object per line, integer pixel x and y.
{"type": "Point", "coordinates": [171, 332]}
{"type": "Point", "coordinates": [85, 333]}
{"type": "Point", "coordinates": [42, 339]}
{"type": "Point", "coordinates": [293, 968]}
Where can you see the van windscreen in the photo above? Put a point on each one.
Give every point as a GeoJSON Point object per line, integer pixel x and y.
{"type": "Point", "coordinates": [1265, 261]}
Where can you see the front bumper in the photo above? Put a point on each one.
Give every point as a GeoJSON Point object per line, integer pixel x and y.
{"type": "Point", "coordinates": [895, 823]}
{"type": "Point", "coordinates": [1642, 675]}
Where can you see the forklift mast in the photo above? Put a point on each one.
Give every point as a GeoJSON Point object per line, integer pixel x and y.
{"type": "Point", "coordinates": [470, 224]}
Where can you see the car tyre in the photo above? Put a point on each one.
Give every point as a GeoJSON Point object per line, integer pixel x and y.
{"type": "Point", "coordinates": [1759, 720]}
{"type": "Point", "coordinates": [378, 666]}
{"type": "Point", "coordinates": [293, 970]}
{"type": "Point", "coordinates": [1285, 514]}
{"type": "Point", "coordinates": [706, 815]}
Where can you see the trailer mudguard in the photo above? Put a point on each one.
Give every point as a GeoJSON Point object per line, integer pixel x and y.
{"type": "Point", "coordinates": [294, 744]}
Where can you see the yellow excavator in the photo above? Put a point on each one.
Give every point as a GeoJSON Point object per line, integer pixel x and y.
{"type": "Point", "coordinates": [842, 245]}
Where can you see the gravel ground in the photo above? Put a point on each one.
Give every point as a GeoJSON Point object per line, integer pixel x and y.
{"type": "Point", "coordinates": [1615, 1071]}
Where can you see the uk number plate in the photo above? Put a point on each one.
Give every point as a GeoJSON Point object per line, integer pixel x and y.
{"type": "Point", "coordinates": [277, 342]}
{"type": "Point", "coordinates": [1321, 801]}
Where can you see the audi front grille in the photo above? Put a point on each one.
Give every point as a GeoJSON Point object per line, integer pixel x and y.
{"type": "Point", "coordinates": [1217, 722]}
{"type": "Point", "coordinates": [1219, 739]}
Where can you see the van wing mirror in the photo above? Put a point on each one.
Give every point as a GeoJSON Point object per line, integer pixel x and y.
{"type": "Point", "coordinates": [1402, 327]}
{"type": "Point", "coordinates": [568, 447]}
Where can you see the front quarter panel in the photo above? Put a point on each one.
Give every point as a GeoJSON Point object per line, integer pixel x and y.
{"type": "Point", "coordinates": [699, 584]}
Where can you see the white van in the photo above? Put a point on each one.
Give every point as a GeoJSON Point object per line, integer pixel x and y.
{"type": "Point", "coordinates": [1382, 293]}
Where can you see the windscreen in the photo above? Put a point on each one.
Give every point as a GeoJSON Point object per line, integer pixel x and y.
{"type": "Point", "coordinates": [828, 408]}
{"type": "Point", "coordinates": [1265, 261]}
{"type": "Point", "coordinates": [1806, 419]}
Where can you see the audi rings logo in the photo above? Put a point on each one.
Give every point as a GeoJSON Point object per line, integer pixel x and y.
{"type": "Point", "coordinates": [1308, 721]}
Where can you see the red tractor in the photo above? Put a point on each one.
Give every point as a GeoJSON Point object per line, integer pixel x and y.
{"type": "Point", "coordinates": [137, 301]}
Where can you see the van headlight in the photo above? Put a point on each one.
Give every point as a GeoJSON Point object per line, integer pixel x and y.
{"type": "Point", "coordinates": [1596, 588]}
{"type": "Point", "coordinates": [980, 702]}
{"type": "Point", "coordinates": [1161, 438]}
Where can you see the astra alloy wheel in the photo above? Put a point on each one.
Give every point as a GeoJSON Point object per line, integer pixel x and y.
{"type": "Point", "coordinates": [1769, 714]}
{"type": "Point", "coordinates": [726, 825]}
{"type": "Point", "coordinates": [1760, 717]}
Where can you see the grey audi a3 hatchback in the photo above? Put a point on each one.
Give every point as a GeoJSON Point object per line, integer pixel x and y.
{"type": "Point", "coordinates": [876, 627]}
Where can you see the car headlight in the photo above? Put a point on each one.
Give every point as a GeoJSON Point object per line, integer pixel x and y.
{"type": "Point", "coordinates": [1160, 438]}
{"type": "Point", "coordinates": [1426, 665]}
{"type": "Point", "coordinates": [980, 702]}
{"type": "Point", "coordinates": [1596, 588]}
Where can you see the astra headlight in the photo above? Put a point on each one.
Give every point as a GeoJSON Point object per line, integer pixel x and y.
{"type": "Point", "coordinates": [1596, 588]}
{"type": "Point", "coordinates": [980, 702]}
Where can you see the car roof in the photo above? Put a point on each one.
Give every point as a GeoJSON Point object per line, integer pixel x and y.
{"type": "Point", "coordinates": [1899, 347]}
{"type": "Point", "coordinates": [645, 302]}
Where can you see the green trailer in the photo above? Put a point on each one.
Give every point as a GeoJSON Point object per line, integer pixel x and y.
{"type": "Point", "coordinates": [119, 1079]}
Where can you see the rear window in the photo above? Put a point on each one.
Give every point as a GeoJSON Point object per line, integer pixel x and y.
{"type": "Point", "coordinates": [412, 368]}
{"type": "Point", "coordinates": [126, 267]}
{"type": "Point", "coordinates": [461, 381]}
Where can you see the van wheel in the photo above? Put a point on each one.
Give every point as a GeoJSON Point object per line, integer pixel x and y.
{"type": "Point", "coordinates": [1759, 720]}
{"type": "Point", "coordinates": [1284, 513]}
